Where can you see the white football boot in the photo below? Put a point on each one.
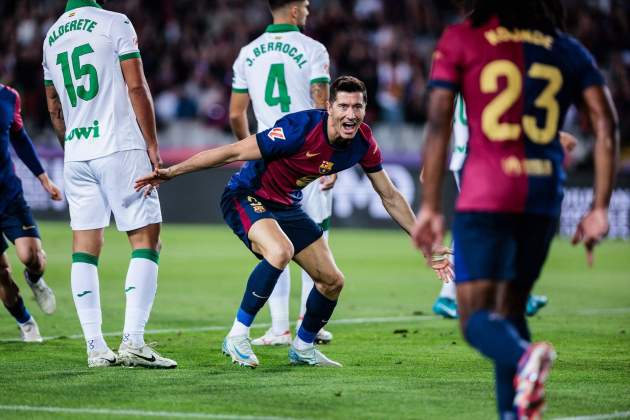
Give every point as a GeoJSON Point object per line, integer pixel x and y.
{"type": "Point", "coordinates": [240, 350]}
{"type": "Point", "coordinates": [99, 359]}
{"type": "Point", "coordinates": [43, 294]}
{"type": "Point", "coordinates": [30, 331]}
{"type": "Point", "coordinates": [143, 356]}
{"type": "Point", "coordinates": [271, 339]}
{"type": "Point", "coordinates": [311, 357]}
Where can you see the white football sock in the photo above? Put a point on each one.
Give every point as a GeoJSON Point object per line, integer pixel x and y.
{"type": "Point", "coordinates": [140, 288]}
{"type": "Point", "coordinates": [238, 328]}
{"type": "Point", "coordinates": [85, 292]}
{"type": "Point", "coordinates": [300, 344]}
{"type": "Point", "coordinates": [448, 290]}
{"type": "Point", "coordinates": [279, 303]}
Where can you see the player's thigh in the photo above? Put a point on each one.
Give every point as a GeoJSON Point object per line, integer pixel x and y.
{"type": "Point", "coordinates": [318, 261]}
{"type": "Point", "coordinates": [18, 226]}
{"type": "Point", "coordinates": [256, 227]}
{"type": "Point", "coordinates": [117, 174]}
{"type": "Point", "coordinates": [87, 202]}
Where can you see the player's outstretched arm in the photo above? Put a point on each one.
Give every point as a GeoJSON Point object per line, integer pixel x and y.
{"type": "Point", "coordinates": [594, 225]}
{"type": "Point", "coordinates": [56, 114]}
{"type": "Point", "coordinates": [246, 149]}
{"type": "Point", "coordinates": [393, 200]}
{"type": "Point", "coordinates": [142, 103]}
{"type": "Point", "coordinates": [428, 231]}
{"type": "Point", "coordinates": [239, 102]}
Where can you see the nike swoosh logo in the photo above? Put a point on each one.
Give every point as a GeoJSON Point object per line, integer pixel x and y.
{"type": "Point", "coordinates": [148, 359]}
{"type": "Point", "coordinates": [310, 155]}
{"type": "Point", "coordinates": [110, 361]}
{"type": "Point", "coordinates": [24, 227]}
{"type": "Point", "coordinates": [83, 293]}
{"type": "Point", "coordinates": [242, 356]}
{"type": "Point", "coordinates": [260, 297]}
{"type": "Point", "coordinates": [129, 289]}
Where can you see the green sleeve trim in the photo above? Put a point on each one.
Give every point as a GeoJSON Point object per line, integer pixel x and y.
{"type": "Point", "coordinates": [48, 82]}
{"type": "Point", "coordinates": [147, 254]}
{"type": "Point", "coordinates": [82, 257]}
{"type": "Point", "coordinates": [129, 56]}
{"type": "Point", "coordinates": [325, 224]}
{"type": "Point", "coordinates": [238, 90]}
{"type": "Point", "coordinates": [321, 80]}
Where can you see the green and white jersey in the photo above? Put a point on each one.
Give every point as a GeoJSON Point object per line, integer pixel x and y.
{"type": "Point", "coordinates": [82, 54]}
{"type": "Point", "coordinates": [460, 135]}
{"type": "Point", "coordinates": [277, 69]}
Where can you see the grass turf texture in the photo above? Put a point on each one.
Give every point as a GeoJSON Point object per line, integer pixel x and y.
{"type": "Point", "coordinates": [427, 372]}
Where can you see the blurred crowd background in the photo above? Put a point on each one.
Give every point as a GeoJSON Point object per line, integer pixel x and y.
{"type": "Point", "coordinates": [188, 48]}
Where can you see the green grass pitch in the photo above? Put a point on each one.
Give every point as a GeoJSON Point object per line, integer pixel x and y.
{"type": "Point", "coordinates": [427, 373]}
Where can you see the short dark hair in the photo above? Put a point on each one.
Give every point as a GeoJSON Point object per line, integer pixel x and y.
{"type": "Point", "coordinates": [277, 4]}
{"type": "Point", "coordinates": [347, 84]}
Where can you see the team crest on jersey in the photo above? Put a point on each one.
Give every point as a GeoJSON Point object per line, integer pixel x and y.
{"type": "Point", "coordinates": [276, 133]}
{"type": "Point", "coordinates": [257, 206]}
{"type": "Point", "coordinates": [325, 167]}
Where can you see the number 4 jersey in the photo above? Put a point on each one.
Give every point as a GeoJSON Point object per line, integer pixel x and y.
{"type": "Point", "coordinates": [277, 69]}
{"type": "Point", "coordinates": [517, 85]}
{"type": "Point", "coordinates": [82, 54]}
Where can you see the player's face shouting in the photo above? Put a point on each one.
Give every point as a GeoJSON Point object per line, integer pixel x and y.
{"type": "Point", "coordinates": [347, 113]}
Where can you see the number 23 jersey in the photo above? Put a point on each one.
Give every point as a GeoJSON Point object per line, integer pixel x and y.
{"type": "Point", "coordinates": [82, 54]}
{"type": "Point", "coordinates": [517, 85]}
{"type": "Point", "coordinates": [276, 70]}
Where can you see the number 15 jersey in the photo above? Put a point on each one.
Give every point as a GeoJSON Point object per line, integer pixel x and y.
{"type": "Point", "coordinates": [276, 70]}
{"type": "Point", "coordinates": [82, 54]}
{"type": "Point", "coordinates": [517, 85]}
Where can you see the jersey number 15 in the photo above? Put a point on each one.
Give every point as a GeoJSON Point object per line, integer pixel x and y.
{"type": "Point", "coordinates": [78, 71]}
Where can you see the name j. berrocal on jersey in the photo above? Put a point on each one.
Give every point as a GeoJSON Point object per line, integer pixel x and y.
{"type": "Point", "coordinates": [73, 25]}
{"type": "Point", "coordinates": [84, 133]}
{"type": "Point", "coordinates": [282, 47]}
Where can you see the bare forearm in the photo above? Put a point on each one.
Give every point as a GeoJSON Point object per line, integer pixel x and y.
{"type": "Point", "coordinates": [142, 104]}
{"type": "Point", "coordinates": [605, 156]}
{"type": "Point", "coordinates": [398, 208]}
{"type": "Point", "coordinates": [240, 126]}
{"type": "Point", "coordinates": [211, 158]}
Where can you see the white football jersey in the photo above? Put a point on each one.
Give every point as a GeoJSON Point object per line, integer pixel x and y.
{"type": "Point", "coordinates": [277, 69]}
{"type": "Point", "coordinates": [82, 54]}
{"type": "Point", "coordinates": [460, 135]}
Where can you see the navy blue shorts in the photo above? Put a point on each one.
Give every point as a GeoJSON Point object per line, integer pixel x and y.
{"type": "Point", "coordinates": [501, 246]}
{"type": "Point", "coordinates": [241, 209]}
{"type": "Point", "coordinates": [16, 222]}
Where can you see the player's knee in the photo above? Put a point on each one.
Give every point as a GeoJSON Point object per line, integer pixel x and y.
{"type": "Point", "coordinates": [333, 283]}
{"type": "Point", "coordinates": [33, 258]}
{"type": "Point", "coordinates": [280, 254]}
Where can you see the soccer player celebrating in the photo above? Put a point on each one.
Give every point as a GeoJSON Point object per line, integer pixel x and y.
{"type": "Point", "coordinates": [16, 220]}
{"type": "Point", "coordinates": [261, 205]}
{"type": "Point", "coordinates": [102, 112]}
{"type": "Point", "coordinates": [518, 74]}
{"type": "Point", "coordinates": [284, 71]}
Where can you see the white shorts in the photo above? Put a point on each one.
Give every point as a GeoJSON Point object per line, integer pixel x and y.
{"type": "Point", "coordinates": [96, 188]}
{"type": "Point", "coordinates": [317, 203]}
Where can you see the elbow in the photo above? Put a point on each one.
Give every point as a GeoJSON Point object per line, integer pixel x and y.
{"type": "Point", "coordinates": [138, 90]}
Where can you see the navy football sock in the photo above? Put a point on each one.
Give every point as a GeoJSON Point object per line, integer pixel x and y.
{"type": "Point", "coordinates": [259, 287]}
{"type": "Point", "coordinates": [520, 323]}
{"type": "Point", "coordinates": [504, 383]}
{"type": "Point", "coordinates": [495, 337]}
{"type": "Point", "coordinates": [318, 311]}
{"type": "Point", "coordinates": [18, 311]}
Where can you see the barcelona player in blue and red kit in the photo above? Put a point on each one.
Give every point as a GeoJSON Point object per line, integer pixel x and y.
{"type": "Point", "coordinates": [518, 74]}
{"type": "Point", "coordinates": [262, 206]}
{"type": "Point", "coordinates": [16, 222]}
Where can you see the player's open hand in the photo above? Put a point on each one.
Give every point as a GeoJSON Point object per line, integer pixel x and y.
{"type": "Point", "coordinates": [327, 182]}
{"type": "Point", "coordinates": [50, 187]}
{"type": "Point", "coordinates": [428, 231]}
{"type": "Point", "coordinates": [440, 262]}
{"type": "Point", "coordinates": [591, 230]}
{"type": "Point", "coordinates": [153, 180]}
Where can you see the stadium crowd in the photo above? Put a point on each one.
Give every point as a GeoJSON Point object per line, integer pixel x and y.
{"type": "Point", "coordinates": [189, 46]}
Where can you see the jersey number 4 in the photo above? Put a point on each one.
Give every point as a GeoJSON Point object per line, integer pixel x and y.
{"type": "Point", "coordinates": [276, 77]}
{"type": "Point", "coordinates": [78, 71]}
{"type": "Point", "coordinates": [492, 113]}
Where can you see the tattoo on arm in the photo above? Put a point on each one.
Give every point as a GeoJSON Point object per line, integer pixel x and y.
{"type": "Point", "coordinates": [319, 93]}
{"type": "Point", "coordinates": [56, 115]}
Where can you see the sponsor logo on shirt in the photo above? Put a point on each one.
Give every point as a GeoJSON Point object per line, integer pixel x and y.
{"type": "Point", "coordinates": [84, 132]}
{"type": "Point", "coordinates": [276, 133]}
